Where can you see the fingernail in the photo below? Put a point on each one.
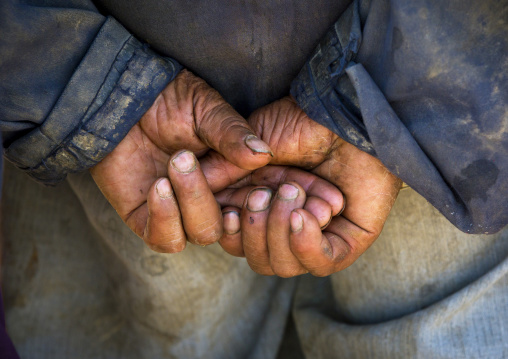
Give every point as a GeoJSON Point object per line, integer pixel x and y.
{"type": "Point", "coordinates": [184, 162]}
{"type": "Point", "coordinates": [343, 206]}
{"type": "Point", "coordinates": [330, 220]}
{"type": "Point", "coordinates": [163, 188]}
{"type": "Point", "coordinates": [231, 222]}
{"type": "Point", "coordinates": [296, 222]}
{"type": "Point", "coordinates": [288, 192]}
{"type": "Point", "coordinates": [256, 145]}
{"type": "Point", "coordinates": [259, 199]}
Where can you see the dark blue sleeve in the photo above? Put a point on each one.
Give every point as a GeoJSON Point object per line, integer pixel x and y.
{"type": "Point", "coordinates": [72, 84]}
{"type": "Point", "coordinates": [423, 86]}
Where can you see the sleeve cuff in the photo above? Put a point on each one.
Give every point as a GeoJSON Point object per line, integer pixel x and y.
{"type": "Point", "coordinates": [322, 90]}
{"type": "Point", "coordinates": [115, 84]}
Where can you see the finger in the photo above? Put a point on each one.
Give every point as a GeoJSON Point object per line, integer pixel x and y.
{"type": "Point", "coordinates": [201, 216]}
{"type": "Point", "coordinates": [324, 253]}
{"type": "Point", "coordinates": [273, 177]}
{"type": "Point", "coordinates": [223, 129]}
{"type": "Point", "coordinates": [320, 209]}
{"type": "Point", "coordinates": [234, 197]}
{"type": "Point", "coordinates": [163, 232]}
{"type": "Point", "coordinates": [348, 241]}
{"type": "Point", "coordinates": [310, 245]}
{"type": "Point", "coordinates": [315, 205]}
{"type": "Point", "coordinates": [231, 240]}
{"type": "Point", "coordinates": [314, 186]}
{"type": "Point", "coordinates": [296, 139]}
{"type": "Point", "coordinates": [283, 262]}
{"type": "Point", "coordinates": [253, 220]}
{"type": "Point", "coordinates": [219, 172]}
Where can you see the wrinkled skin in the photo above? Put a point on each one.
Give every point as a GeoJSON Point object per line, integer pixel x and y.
{"type": "Point", "coordinates": [187, 114]}
{"type": "Point", "coordinates": [285, 238]}
{"type": "Point", "coordinates": [161, 191]}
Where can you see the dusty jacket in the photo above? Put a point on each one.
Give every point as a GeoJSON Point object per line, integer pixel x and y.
{"type": "Point", "coordinates": [421, 85]}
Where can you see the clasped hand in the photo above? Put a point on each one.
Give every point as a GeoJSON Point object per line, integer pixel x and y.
{"type": "Point", "coordinates": [162, 177]}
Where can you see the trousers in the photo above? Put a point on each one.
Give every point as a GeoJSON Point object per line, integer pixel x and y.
{"type": "Point", "coordinates": [78, 284]}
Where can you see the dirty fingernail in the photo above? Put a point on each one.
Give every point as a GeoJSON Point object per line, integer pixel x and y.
{"type": "Point", "coordinates": [343, 207]}
{"type": "Point", "coordinates": [259, 199]}
{"type": "Point", "coordinates": [184, 162]}
{"type": "Point", "coordinates": [296, 221]}
{"type": "Point", "coordinates": [231, 222]}
{"type": "Point", "coordinates": [256, 145]}
{"type": "Point", "coordinates": [288, 192]}
{"type": "Point", "coordinates": [163, 188]}
{"type": "Point", "coordinates": [329, 220]}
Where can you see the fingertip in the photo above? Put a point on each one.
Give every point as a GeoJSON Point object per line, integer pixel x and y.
{"type": "Point", "coordinates": [337, 203]}
{"type": "Point", "coordinates": [296, 221]}
{"type": "Point", "coordinates": [163, 188]}
{"type": "Point", "coordinates": [247, 151]}
{"type": "Point", "coordinates": [259, 199]}
{"type": "Point", "coordinates": [289, 191]}
{"type": "Point", "coordinates": [257, 146]}
{"type": "Point", "coordinates": [231, 219]}
{"type": "Point", "coordinates": [167, 248]}
{"type": "Point", "coordinates": [305, 233]}
{"type": "Point", "coordinates": [231, 240]}
{"type": "Point", "coordinates": [343, 206]}
{"type": "Point", "coordinates": [320, 209]}
{"type": "Point", "coordinates": [163, 232]}
{"type": "Point", "coordinates": [184, 162]}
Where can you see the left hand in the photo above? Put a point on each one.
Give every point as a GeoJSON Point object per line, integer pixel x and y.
{"type": "Point", "coordinates": [286, 239]}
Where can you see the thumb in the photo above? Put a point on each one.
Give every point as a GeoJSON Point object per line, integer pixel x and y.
{"type": "Point", "coordinates": [220, 127]}
{"type": "Point", "coordinates": [296, 139]}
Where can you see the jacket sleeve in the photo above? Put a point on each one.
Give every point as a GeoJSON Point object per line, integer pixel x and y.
{"type": "Point", "coordinates": [423, 86]}
{"type": "Point", "coordinates": [72, 84]}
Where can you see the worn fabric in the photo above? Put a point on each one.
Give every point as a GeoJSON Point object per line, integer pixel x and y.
{"type": "Point", "coordinates": [422, 85]}
{"type": "Point", "coordinates": [72, 84]}
{"type": "Point", "coordinates": [415, 84]}
{"type": "Point", "coordinates": [249, 51]}
{"type": "Point", "coordinates": [78, 284]}
{"type": "Point", "coordinates": [417, 89]}
{"type": "Point", "coordinates": [423, 290]}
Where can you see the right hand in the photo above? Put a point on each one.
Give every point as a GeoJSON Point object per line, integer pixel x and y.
{"type": "Point", "coordinates": [134, 176]}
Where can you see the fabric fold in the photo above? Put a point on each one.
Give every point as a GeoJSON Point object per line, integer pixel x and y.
{"type": "Point", "coordinates": [115, 84]}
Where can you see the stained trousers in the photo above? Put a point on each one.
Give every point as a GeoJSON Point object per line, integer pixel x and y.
{"type": "Point", "coordinates": [79, 284]}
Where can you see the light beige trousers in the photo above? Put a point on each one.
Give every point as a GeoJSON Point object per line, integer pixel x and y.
{"type": "Point", "coordinates": [78, 284]}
